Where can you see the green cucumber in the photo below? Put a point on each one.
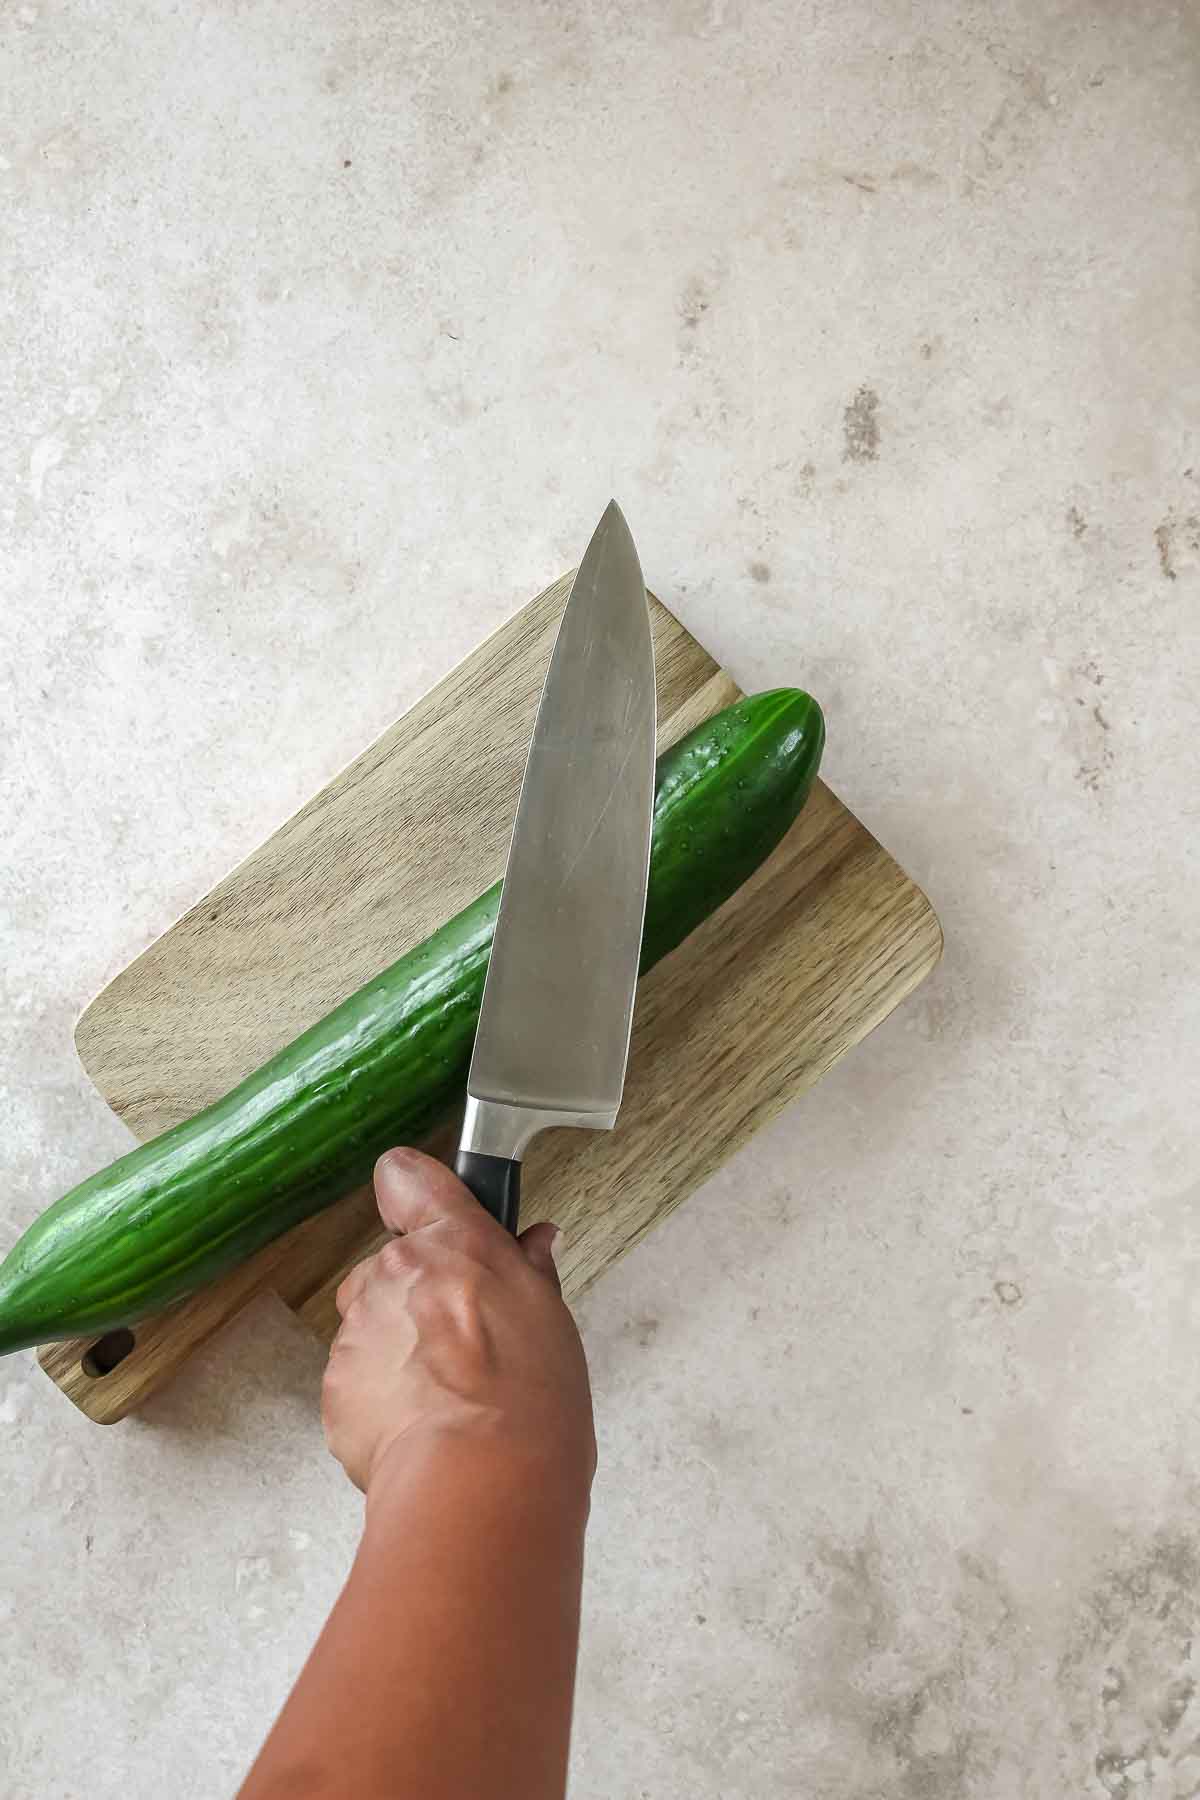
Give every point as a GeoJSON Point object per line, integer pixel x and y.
{"type": "Point", "coordinates": [385, 1065]}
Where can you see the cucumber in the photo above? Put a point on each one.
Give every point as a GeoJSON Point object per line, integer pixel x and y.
{"type": "Point", "coordinates": [385, 1065]}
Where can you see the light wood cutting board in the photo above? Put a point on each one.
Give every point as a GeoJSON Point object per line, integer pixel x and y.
{"type": "Point", "coordinates": [800, 965]}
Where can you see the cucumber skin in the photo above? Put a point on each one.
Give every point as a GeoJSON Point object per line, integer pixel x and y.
{"type": "Point", "coordinates": [383, 1067]}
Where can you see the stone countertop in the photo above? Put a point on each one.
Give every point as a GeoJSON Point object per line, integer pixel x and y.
{"type": "Point", "coordinates": [329, 331]}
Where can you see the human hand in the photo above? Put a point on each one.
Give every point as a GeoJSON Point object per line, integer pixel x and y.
{"type": "Point", "coordinates": [455, 1327]}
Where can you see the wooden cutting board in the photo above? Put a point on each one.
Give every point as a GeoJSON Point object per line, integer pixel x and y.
{"type": "Point", "coordinates": [801, 964]}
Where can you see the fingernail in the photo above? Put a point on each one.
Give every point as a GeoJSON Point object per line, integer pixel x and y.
{"type": "Point", "coordinates": [557, 1246]}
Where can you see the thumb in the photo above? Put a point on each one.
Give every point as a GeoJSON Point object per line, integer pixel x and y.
{"type": "Point", "coordinates": [413, 1190]}
{"type": "Point", "coordinates": [539, 1243]}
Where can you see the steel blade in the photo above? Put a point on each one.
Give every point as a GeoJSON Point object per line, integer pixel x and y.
{"type": "Point", "coordinates": [558, 1003]}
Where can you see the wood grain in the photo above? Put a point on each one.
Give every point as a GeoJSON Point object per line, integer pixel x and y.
{"type": "Point", "coordinates": [826, 939]}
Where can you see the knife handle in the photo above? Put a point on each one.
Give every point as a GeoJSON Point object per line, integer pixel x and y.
{"type": "Point", "coordinates": [495, 1182]}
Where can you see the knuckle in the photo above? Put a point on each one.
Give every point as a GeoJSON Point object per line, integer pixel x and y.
{"type": "Point", "coordinates": [450, 1294]}
{"type": "Point", "coordinates": [475, 1235]}
{"type": "Point", "coordinates": [395, 1257]}
{"type": "Point", "coordinates": [427, 1300]}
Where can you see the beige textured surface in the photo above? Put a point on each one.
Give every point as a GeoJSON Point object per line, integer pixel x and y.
{"type": "Point", "coordinates": [806, 959]}
{"type": "Point", "coordinates": [881, 321]}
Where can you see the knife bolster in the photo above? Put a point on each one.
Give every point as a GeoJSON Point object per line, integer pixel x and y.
{"type": "Point", "coordinates": [498, 1128]}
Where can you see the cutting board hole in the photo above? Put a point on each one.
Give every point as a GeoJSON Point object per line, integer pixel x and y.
{"type": "Point", "coordinates": [108, 1351]}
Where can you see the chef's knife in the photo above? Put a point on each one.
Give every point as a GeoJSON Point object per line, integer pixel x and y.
{"type": "Point", "coordinates": [553, 1035]}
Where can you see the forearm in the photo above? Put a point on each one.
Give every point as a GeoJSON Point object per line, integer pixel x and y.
{"type": "Point", "coordinates": [447, 1667]}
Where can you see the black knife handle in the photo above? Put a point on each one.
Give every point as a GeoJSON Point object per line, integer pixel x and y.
{"type": "Point", "coordinates": [495, 1183]}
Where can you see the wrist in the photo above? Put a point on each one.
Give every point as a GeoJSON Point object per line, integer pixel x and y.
{"type": "Point", "coordinates": [487, 1462]}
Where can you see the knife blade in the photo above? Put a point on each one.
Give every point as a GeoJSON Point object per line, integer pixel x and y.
{"type": "Point", "coordinates": [553, 1035]}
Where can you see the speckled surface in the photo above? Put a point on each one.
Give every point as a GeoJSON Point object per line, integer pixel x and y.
{"type": "Point", "coordinates": [327, 332]}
